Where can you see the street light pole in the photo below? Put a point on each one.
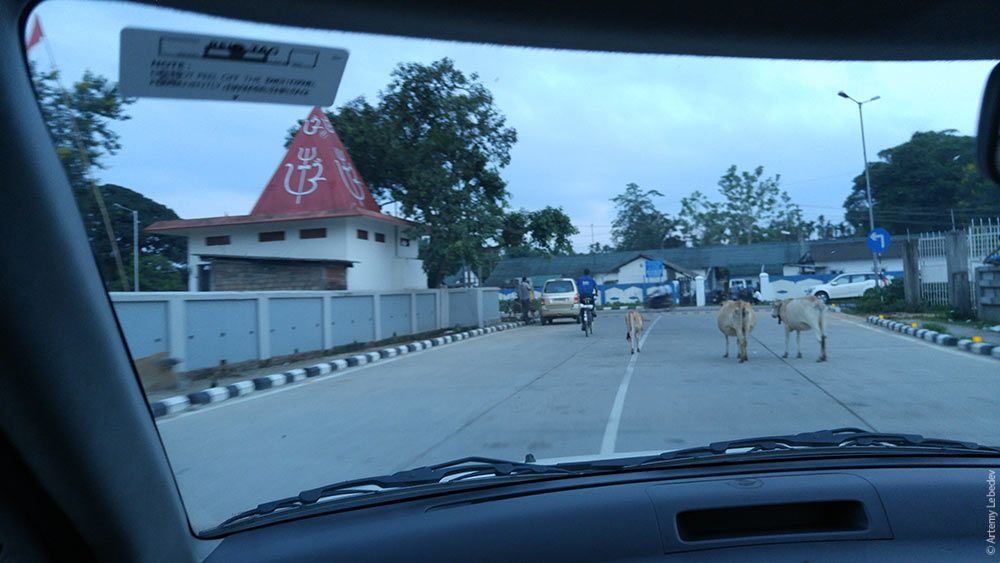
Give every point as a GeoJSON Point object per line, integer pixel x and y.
{"type": "Point", "coordinates": [135, 246]}
{"type": "Point", "coordinates": [868, 183]}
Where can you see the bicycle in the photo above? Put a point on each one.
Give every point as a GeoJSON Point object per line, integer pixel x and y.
{"type": "Point", "coordinates": [587, 316]}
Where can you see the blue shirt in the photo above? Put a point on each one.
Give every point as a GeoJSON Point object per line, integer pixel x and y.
{"type": "Point", "coordinates": [587, 285]}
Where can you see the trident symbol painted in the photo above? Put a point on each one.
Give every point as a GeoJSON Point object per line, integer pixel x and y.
{"type": "Point", "coordinates": [305, 155]}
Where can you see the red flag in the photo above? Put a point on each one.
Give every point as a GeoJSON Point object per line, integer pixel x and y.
{"type": "Point", "coordinates": [36, 34]}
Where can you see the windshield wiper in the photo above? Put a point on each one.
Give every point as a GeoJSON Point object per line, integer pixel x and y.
{"type": "Point", "coordinates": [447, 472]}
{"type": "Point", "coordinates": [823, 439]}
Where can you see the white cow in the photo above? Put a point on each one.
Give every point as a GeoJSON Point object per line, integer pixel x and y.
{"type": "Point", "coordinates": [802, 313]}
{"type": "Point", "coordinates": [737, 318]}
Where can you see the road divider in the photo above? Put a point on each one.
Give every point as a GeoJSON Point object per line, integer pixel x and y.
{"type": "Point", "coordinates": [979, 348]}
{"type": "Point", "coordinates": [180, 403]}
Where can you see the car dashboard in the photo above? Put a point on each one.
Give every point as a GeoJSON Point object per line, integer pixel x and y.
{"type": "Point", "coordinates": [935, 511]}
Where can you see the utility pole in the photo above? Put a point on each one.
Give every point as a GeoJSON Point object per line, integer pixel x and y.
{"type": "Point", "coordinates": [868, 185]}
{"type": "Point", "coordinates": [135, 245]}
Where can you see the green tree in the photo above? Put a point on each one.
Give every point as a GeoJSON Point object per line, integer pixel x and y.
{"type": "Point", "coordinates": [598, 248]}
{"type": "Point", "coordinates": [749, 201]}
{"type": "Point", "coordinates": [163, 258]}
{"type": "Point", "coordinates": [638, 225]}
{"type": "Point", "coordinates": [89, 108]}
{"type": "Point", "coordinates": [918, 184]}
{"type": "Point", "coordinates": [788, 222]}
{"type": "Point", "coordinates": [79, 120]}
{"type": "Point", "coordinates": [702, 222]}
{"type": "Point", "coordinates": [537, 233]}
{"type": "Point", "coordinates": [435, 143]}
{"type": "Point", "coordinates": [157, 273]}
{"type": "Point", "coordinates": [826, 229]}
{"type": "Point", "coordinates": [752, 208]}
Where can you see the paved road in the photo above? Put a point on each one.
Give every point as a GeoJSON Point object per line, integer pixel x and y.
{"type": "Point", "coordinates": [550, 391]}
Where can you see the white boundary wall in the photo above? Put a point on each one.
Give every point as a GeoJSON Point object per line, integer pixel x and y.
{"type": "Point", "coordinates": [209, 329]}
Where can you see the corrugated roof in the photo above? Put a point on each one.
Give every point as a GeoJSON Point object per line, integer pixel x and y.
{"type": "Point", "coordinates": [739, 260]}
{"type": "Point", "coordinates": [850, 249]}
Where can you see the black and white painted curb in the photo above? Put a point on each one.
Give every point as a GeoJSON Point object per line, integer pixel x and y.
{"type": "Point", "coordinates": [980, 348]}
{"type": "Point", "coordinates": [181, 403]}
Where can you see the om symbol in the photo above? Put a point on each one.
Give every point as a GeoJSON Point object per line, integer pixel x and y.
{"type": "Point", "coordinates": [317, 124]}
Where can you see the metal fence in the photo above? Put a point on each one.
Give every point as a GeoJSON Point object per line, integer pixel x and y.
{"type": "Point", "coordinates": [984, 239]}
{"type": "Point", "coordinates": [931, 245]}
{"type": "Point", "coordinates": [934, 293]}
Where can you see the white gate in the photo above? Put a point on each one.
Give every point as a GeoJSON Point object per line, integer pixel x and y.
{"type": "Point", "coordinates": [984, 238]}
{"type": "Point", "coordinates": [933, 268]}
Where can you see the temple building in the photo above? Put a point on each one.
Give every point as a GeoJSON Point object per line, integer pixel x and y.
{"type": "Point", "coordinates": [314, 227]}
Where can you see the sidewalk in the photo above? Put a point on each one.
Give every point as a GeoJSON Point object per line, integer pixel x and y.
{"type": "Point", "coordinates": [230, 387]}
{"type": "Point", "coordinates": [956, 328]}
{"type": "Point", "coordinates": [221, 380]}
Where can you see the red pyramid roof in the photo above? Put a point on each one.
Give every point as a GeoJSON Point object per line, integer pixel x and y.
{"type": "Point", "coordinates": [316, 174]}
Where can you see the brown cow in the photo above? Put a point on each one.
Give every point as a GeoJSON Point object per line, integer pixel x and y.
{"type": "Point", "coordinates": [633, 329]}
{"type": "Point", "coordinates": [737, 318]}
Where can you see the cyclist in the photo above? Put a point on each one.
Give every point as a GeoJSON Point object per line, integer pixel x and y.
{"type": "Point", "coordinates": [588, 289]}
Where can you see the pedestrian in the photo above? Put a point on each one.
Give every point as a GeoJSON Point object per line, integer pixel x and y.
{"type": "Point", "coordinates": [524, 296]}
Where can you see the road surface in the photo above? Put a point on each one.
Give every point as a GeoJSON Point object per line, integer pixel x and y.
{"type": "Point", "coordinates": [552, 392]}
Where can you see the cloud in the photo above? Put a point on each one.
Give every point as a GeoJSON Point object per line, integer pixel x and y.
{"type": "Point", "coordinates": [588, 123]}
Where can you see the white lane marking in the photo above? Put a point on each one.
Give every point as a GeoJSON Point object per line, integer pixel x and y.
{"type": "Point", "coordinates": [916, 340]}
{"type": "Point", "coordinates": [281, 388]}
{"type": "Point", "coordinates": [615, 418]}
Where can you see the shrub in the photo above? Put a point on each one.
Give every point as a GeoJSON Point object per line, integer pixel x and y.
{"type": "Point", "coordinates": [888, 300]}
{"type": "Point", "coordinates": [935, 327]}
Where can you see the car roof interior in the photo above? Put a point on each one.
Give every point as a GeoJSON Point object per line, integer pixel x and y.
{"type": "Point", "coordinates": [848, 30]}
{"type": "Point", "coordinates": [84, 465]}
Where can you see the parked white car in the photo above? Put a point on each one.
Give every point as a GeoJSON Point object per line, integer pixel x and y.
{"type": "Point", "coordinates": [846, 286]}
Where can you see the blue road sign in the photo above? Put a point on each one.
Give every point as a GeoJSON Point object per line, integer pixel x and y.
{"type": "Point", "coordinates": [878, 240]}
{"type": "Point", "coordinates": [654, 268]}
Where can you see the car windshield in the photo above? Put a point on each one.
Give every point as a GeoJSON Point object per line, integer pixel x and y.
{"type": "Point", "coordinates": [562, 286]}
{"type": "Point", "coordinates": [316, 258]}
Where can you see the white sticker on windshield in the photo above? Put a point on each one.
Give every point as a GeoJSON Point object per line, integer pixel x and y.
{"type": "Point", "coordinates": [165, 64]}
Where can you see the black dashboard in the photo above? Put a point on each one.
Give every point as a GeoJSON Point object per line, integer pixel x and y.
{"type": "Point", "coordinates": [930, 512]}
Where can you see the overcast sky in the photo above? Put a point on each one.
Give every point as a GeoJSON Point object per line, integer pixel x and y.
{"type": "Point", "coordinates": [587, 123]}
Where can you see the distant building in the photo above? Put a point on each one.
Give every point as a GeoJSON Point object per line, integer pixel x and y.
{"type": "Point", "coordinates": [715, 263]}
{"type": "Point", "coordinates": [847, 255]}
{"type": "Point", "coordinates": [314, 227]}
{"type": "Point", "coordinates": [607, 268]}
{"type": "Point", "coordinates": [465, 277]}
